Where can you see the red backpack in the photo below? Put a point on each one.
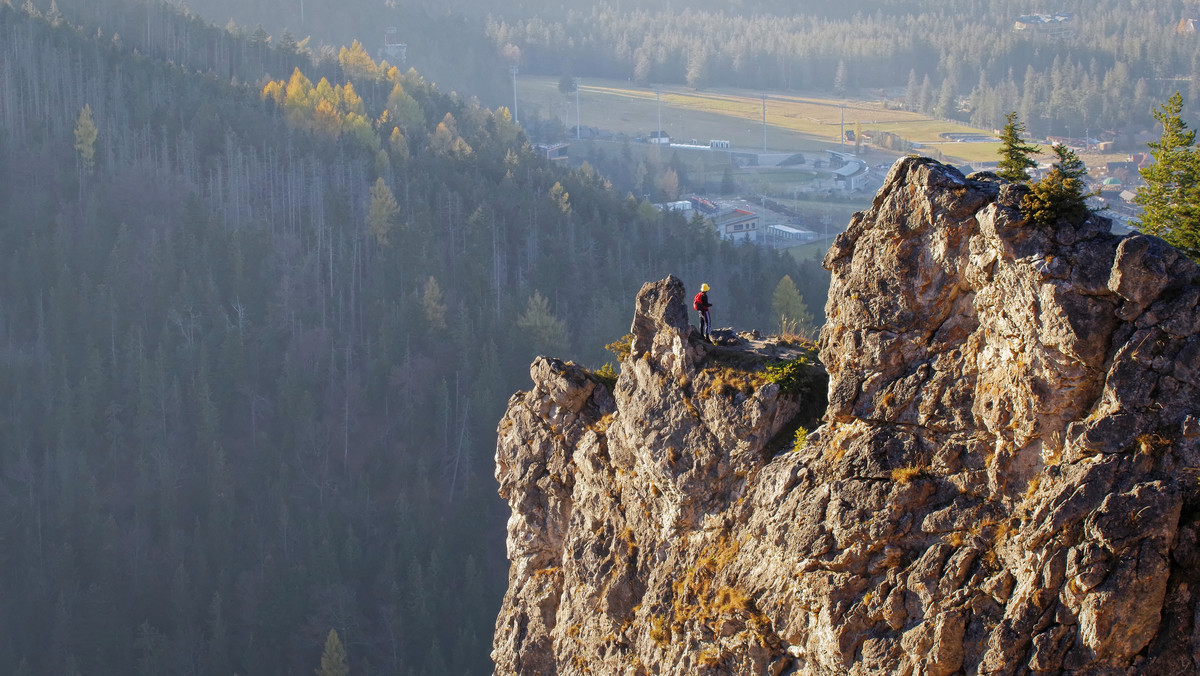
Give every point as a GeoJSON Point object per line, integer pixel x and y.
{"type": "Point", "coordinates": [698, 303]}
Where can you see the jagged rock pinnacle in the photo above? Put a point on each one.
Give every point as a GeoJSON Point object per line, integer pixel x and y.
{"type": "Point", "coordinates": [1005, 481]}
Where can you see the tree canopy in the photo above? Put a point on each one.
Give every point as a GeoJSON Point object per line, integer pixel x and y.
{"type": "Point", "coordinates": [1015, 153]}
{"type": "Point", "coordinates": [1170, 199]}
{"type": "Point", "coordinates": [790, 309]}
{"type": "Point", "coordinates": [333, 658]}
{"type": "Point", "coordinates": [1060, 195]}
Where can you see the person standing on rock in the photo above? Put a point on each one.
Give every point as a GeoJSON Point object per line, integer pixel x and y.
{"type": "Point", "coordinates": [701, 304]}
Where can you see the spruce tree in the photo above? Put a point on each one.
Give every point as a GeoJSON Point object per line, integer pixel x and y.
{"type": "Point", "coordinates": [839, 79]}
{"type": "Point", "coordinates": [789, 308]}
{"type": "Point", "coordinates": [1014, 153]}
{"type": "Point", "coordinates": [1170, 200]}
{"type": "Point", "coordinates": [333, 660]}
{"type": "Point", "coordinates": [540, 329]}
{"type": "Point", "coordinates": [1060, 195]}
{"type": "Point", "coordinates": [85, 139]}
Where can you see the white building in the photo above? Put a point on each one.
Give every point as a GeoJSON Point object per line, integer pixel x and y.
{"type": "Point", "coordinates": [781, 235]}
{"type": "Point", "coordinates": [737, 224]}
{"type": "Point", "coordinates": [680, 205]}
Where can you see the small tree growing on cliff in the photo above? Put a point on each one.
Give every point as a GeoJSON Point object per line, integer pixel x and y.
{"type": "Point", "coordinates": [1170, 200]}
{"type": "Point", "coordinates": [1060, 195]}
{"type": "Point", "coordinates": [1014, 153]}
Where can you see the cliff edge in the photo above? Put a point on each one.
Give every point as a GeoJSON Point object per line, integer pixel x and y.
{"type": "Point", "coordinates": [1005, 480]}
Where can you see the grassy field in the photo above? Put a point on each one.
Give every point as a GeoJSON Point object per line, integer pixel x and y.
{"type": "Point", "coordinates": [795, 123]}
{"type": "Point", "coordinates": [814, 251]}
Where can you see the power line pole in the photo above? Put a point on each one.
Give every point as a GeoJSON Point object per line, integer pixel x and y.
{"type": "Point", "coordinates": [658, 139]}
{"type": "Point", "coordinates": [577, 134]}
{"type": "Point", "coordinates": [513, 71]}
{"type": "Point", "coordinates": [658, 101]}
{"type": "Point", "coordinates": [842, 139]}
{"type": "Point", "coordinates": [764, 101]}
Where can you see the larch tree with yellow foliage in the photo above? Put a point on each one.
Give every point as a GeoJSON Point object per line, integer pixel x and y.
{"type": "Point", "coordinates": [381, 217]}
{"type": "Point", "coordinates": [357, 63]}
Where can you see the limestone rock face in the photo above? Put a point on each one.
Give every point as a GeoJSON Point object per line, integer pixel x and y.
{"type": "Point", "coordinates": [1006, 480]}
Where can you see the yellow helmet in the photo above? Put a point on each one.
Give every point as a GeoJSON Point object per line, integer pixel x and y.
{"type": "Point", "coordinates": [704, 287]}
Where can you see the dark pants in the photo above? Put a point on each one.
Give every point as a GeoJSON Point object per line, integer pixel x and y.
{"type": "Point", "coordinates": [704, 323]}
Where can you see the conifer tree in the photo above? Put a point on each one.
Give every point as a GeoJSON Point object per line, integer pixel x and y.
{"type": "Point", "coordinates": [433, 305]}
{"type": "Point", "coordinates": [1170, 200]}
{"type": "Point", "coordinates": [542, 330]}
{"type": "Point", "coordinates": [561, 198]}
{"type": "Point", "coordinates": [912, 93]}
{"type": "Point", "coordinates": [1014, 153]}
{"type": "Point", "coordinates": [1060, 195]}
{"type": "Point", "coordinates": [398, 145]}
{"type": "Point", "coordinates": [333, 660]}
{"type": "Point", "coordinates": [85, 139]}
{"type": "Point", "coordinates": [381, 216]}
{"type": "Point", "coordinates": [287, 43]}
{"type": "Point", "coordinates": [789, 308]}
{"type": "Point", "coordinates": [728, 187]}
{"type": "Point", "coordinates": [946, 100]}
{"type": "Point", "coordinates": [839, 79]}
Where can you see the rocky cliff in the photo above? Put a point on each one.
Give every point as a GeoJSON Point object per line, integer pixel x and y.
{"type": "Point", "coordinates": [1005, 479]}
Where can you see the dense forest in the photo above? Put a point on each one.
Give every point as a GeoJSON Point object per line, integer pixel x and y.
{"type": "Point", "coordinates": [261, 307]}
{"type": "Point", "coordinates": [962, 60]}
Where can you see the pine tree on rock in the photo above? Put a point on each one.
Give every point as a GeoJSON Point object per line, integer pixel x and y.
{"type": "Point", "coordinates": [1060, 195]}
{"type": "Point", "coordinates": [1014, 153]}
{"type": "Point", "coordinates": [1170, 200]}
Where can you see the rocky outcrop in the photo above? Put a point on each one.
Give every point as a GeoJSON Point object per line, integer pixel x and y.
{"type": "Point", "coordinates": [1006, 480]}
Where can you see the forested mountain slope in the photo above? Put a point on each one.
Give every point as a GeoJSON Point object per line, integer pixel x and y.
{"type": "Point", "coordinates": [253, 345]}
{"type": "Point", "coordinates": [1100, 71]}
{"type": "Point", "coordinates": [246, 38]}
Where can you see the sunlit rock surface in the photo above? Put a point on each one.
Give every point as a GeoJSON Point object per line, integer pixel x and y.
{"type": "Point", "coordinates": [1006, 480]}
